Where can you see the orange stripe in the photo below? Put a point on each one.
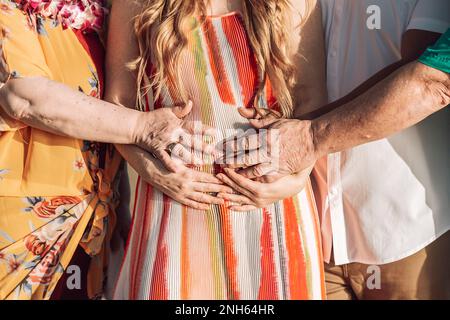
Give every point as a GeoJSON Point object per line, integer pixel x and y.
{"type": "Point", "coordinates": [271, 100]}
{"type": "Point", "coordinates": [296, 257]}
{"type": "Point", "coordinates": [216, 63]}
{"type": "Point", "coordinates": [244, 57]}
{"type": "Point", "coordinates": [230, 255]}
{"type": "Point", "coordinates": [268, 289]}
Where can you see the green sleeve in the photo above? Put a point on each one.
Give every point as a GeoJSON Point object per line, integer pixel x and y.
{"type": "Point", "coordinates": [438, 55]}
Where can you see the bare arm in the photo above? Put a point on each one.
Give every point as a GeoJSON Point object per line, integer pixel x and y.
{"type": "Point", "coordinates": [414, 43]}
{"type": "Point", "coordinates": [121, 81]}
{"type": "Point", "coordinates": [405, 98]}
{"type": "Point", "coordinates": [310, 91]}
{"type": "Point", "coordinates": [186, 186]}
{"type": "Point", "coordinates": [56, 108]}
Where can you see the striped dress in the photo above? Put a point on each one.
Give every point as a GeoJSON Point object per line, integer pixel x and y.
{"type": "Point", "coordinates": [175, 252]}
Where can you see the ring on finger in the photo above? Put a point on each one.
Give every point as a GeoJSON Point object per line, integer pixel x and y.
{"type": "Point", "coordinates": [170, 147]}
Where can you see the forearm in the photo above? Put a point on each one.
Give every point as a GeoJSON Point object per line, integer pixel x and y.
{"type": "Point", "coordinates": [367, 85]}
{"type": "Point", "coordinates": [142, 162]}
{"type": "Point", "coordinates": [405, 98]}
{"type": "Point", "coordinates": [414, 43]}
{"type": "Point", "coordinates": [56, 108]}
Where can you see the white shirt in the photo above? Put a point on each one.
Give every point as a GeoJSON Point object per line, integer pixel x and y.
{"type": "Point", "coordinates": [388, 199]}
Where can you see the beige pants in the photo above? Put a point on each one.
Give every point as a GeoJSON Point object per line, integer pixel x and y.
{"type": "Point", "coordinates": [424, 275]}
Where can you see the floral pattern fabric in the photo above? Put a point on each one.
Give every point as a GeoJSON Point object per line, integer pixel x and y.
{"type": "Point", "coordinates": [85, 15]}
{"type": "Point", "coordinates": [56, 193]}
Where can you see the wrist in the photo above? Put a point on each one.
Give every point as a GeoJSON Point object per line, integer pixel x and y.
{"type": "Point", "coordinates": [13, 102]}
{"type": "Point", "coordinates": [138, 128]}
{"type": "Point", "coordinates": [317, 134]}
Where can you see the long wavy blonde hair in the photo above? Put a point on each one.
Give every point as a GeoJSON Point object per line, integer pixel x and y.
{"type": "Point", "coordinates": [162, 29]}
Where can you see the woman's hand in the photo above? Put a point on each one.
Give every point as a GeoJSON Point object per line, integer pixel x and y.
{"type": "Point", "coordinates": [191, 188]}
{"type": "Point", "coordinates": [254, 194]}
{"type": "Point", "coordinates": [170, 138]}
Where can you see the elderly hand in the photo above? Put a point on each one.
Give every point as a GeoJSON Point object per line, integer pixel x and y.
{"type": "Point", "coordinates": [172, 139]}
{"type": "Point", "coordinates": [280, 148]}
{"type": "Point", "coordinates": [192, 188]}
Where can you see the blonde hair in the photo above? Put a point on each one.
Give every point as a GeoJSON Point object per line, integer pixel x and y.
{"type": "Point", "coordinates": [162, 28]}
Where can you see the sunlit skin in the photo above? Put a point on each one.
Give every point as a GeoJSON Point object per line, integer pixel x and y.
{"type": "Point", "coordinates": [405, 98]}
{"type": "Point", "coordinates": [121, 86]}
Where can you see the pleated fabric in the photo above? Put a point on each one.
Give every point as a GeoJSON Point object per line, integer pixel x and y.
{"type": "Point", "coordinates": [175, 252]}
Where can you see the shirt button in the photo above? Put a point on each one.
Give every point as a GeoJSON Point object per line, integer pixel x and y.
{"type": "Point", "coordinates": [333, 53]}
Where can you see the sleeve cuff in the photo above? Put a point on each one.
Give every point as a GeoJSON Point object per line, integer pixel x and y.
{"type": "Point", "coordinates": [427, 24]}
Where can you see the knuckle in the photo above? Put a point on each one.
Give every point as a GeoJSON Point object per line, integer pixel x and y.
{"type": "Point", "coordinates": [258, 171]}
{"type": "Point", "coordinates": [257, 193]}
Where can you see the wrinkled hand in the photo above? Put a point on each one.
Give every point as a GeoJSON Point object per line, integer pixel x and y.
{"type": "Point", "coordinates": [172, 139]}
{"type": "Point", "coordinates": [280, 147]}
{"type": "Point", "coordinates": [191, 188]}
{"type": "Point", "coordinates": [254, 194]}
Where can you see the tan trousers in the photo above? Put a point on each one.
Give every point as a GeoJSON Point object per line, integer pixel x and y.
{"type": "Point", "coordinates": [424, 275]}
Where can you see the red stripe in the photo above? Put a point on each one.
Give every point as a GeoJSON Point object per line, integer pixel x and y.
{"type": "Point", "coordinates": [216, 63]}
{"type": "Point", "coordinates": [230, 255]}
{"type": "Point", "coordinates": [296, 258]}
{"type": "Point", "coordinates": [244, 57]}
{"type": "Point", "coordinates": [271, 100]}
{"type": "Point", "coordinates": [268, 289]}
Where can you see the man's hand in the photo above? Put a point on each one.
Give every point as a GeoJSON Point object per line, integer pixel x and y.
{"type": "Point", "coordinates": [284, 147]}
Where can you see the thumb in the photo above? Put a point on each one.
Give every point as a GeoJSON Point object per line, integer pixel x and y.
{"type": "Point", "coordinates": [249, 113]}
{"type": "Point", "coordinates": [183, 111]}
{"type": "Point", "coordinates": [257, 171]}
{"type": "Point", "coordinates": [261, 124]}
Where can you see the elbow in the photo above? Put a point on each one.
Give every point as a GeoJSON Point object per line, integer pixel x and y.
{"type": "Point", "coordinates": [444, 92]}
{"type": "Point", "coordinates": [435, 86]}
{"type": "Point", "coordinates": [14, 106]}
{"type": "Point", "coordinates": [439, 92]}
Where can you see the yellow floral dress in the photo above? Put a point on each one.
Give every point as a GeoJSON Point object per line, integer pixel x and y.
{"type": "Point", "coordinates": [56, 193]}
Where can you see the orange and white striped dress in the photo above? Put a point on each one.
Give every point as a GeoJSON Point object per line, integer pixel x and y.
{"type": "Point", "coordinates": [175, 252]}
